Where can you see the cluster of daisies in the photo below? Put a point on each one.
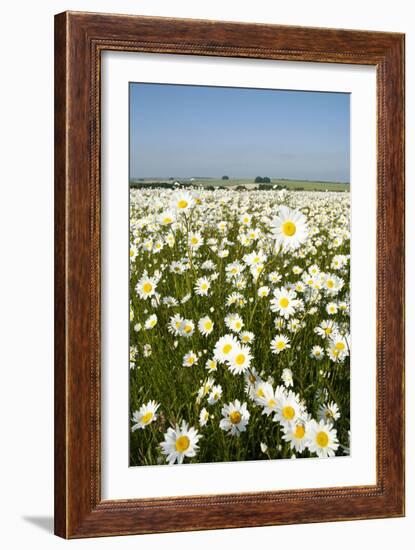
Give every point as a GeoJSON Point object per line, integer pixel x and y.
{"type": "Point", "coordinates": [300, 430]}
{"type": "Point", "coordinates": [239, 284]}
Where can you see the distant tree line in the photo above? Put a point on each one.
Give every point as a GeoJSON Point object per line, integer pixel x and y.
{"type": "Point", "coordinates": [140, 184]}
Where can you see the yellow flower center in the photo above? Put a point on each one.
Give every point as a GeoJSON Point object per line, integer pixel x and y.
{"type": "Point", "coordinates": [191, 360]}
{"type": "Point", "coordinates": [252, 378]}
{"type": "Point", "coordinates": [299, 431]}
{"type": "Point", "coordinates": [208, 325]}
{"type": "Point", "coordinates": [260, 392]}
{"type": "Point", "coordinates": [167, 220]}
{"type": "Point", "coordinates": [237, 324]}
{"type": "Point", "coordinates": [146, 418]}
{"type": "Point", "coordinates": [240, 359]}
{"type": "Point", "coordinates": [288, 412]}
{"type": "Point", "coordinates": [147, 287]}
{"type": "Point", "coordinates": [182, 443]}
{"type": "Point", "coordinates": [182, 204]}
{"type": "Point", "coordinates": [330, 283]}
{"type": "Point", "coordinates": [188, 329]}
{"type": "Point", "coordinates": [203, 286]}
{"type": "Point", "coordinates": [226, 348]}
{"type": "Point", "coordinates": [322, 439]}
{"type": "Point", "coordinates": [289, 228]}
{"type": "Point", "coordinates": [235, 417]}
{"type": "Point", "coordinates": [272, 403]}
{"type": "Point", "coordinates": [340, 346]}
{"type": "Point", "coordinates": [284, 302]}
{"type": "Point", "coordinates": [327, 330]}
{"type": "Point", "coordinates": [280, 344]}
{"type": "Point", "coordinates": [195, 240]}
{"type": "Point", "coordinates": [131, 252]}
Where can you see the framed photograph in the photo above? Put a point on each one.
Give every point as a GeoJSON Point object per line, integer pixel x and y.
{"type": "Point", "coordinates": [229, 275]}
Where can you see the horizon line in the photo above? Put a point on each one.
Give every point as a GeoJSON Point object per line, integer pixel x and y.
{"type": "Point", "coordinates": [235, 178]}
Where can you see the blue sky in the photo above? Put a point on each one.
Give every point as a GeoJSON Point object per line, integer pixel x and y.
{"type": "Point", "coordinates": [184, 131]}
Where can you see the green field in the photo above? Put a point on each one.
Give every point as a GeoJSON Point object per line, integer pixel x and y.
{"type": "Point", "coordinates": [305, 185]}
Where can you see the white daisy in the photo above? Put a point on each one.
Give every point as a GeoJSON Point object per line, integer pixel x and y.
{"type": "Point", "coordinates": [167, 217]}
{"type": "Point", "coordinates": [182, 201]}
{"type": "Point", "coordinates": [175, 324]}
{"type": "Point", "coordinates": [287, 377]}
{"type": "Point", "coordinates": [190, 359]}
{"type": "Point", "coordinates": [339, 344]}
{"type": "Point", "coordinates": [211, 365]}
{"type": "Point", "coordinates": [150, 322]}
{"type": "Point", "coordinates": [289, 228]}
{"type": "Point", "coordinates": [215, 394]}
{"type": "Point", "coordinates": [235, 418]}
{"type": "Point", "coordinates": [146, 287]}
{"type": "Point", "coordinates": [317, 352]}
{"type": "Point", "coordinates": [205, 388]}
{"type": "Point", "coordinates": [329, 412]}
{"type": "Point", "coordinates": [263, 291]}
{"type": "Point", "coordinates": [289, 409]}
{"type": "Point", "coordinates": [145, 415]}
{"type": "Point", "coordinates": [246, 337]}
{"type": "Point", "coordinates": [205, 325]}
{"type": "Point", "coordinates": [133, 253]}
{"type": "Point", "coordinates": [332, 308]}
{"type": "Point", "coordinates": [284, 302]}
{"type": "Point", "coordinates": [326, 328]}
{"type": "Point", "coordinates": [234, 322]}
{"type": "Point", "coordinates": [322, 439]}
{"type": "Point", "coordinates": [203, 417]}
{"type": "Point", "coordinates": [179, 443]}
{"type": "Point", "coordinates": [240, 359]}
{"type": "Point", "coordinates": [186, 328]}
{"type": "Point", "coordinates": [268, 398]}
{"type": "Point", "coordinates": [279, 344]}
{"type": "Point", "coordinates": [234, 269]}
{"type": "Point", "coordinates": [296, 435]}
{"type": "Point", "coordinates": [202, 286]}
{"type": "Point", "coordinates": [245, 219]}
{"type": "Point", "coordinates": [255, 258]}
{"type": "Point", "coordinates": [252, 379]}
{"type": "Point", "coordinates": [225, 347]}
{"type": "Point", "coordinates": [195, 240]}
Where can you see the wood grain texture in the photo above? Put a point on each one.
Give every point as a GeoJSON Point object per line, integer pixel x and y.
{"type": "Point", "coordinates": [79, 40]}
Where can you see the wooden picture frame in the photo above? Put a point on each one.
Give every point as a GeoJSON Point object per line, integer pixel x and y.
{"type": "Point", "coordinates": [79, 40]}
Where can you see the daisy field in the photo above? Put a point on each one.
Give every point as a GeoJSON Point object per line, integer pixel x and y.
{"type": "Point", "coordinates": [239, 324]}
